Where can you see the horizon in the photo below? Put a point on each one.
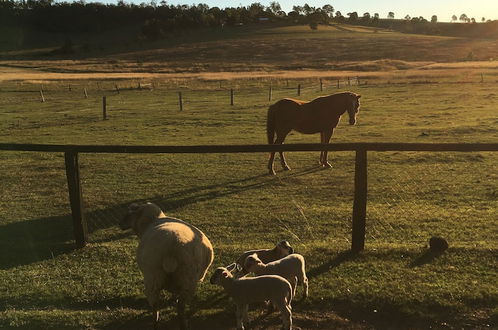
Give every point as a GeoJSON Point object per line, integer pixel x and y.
{"type": "Point", "coordinates": [443, 9]}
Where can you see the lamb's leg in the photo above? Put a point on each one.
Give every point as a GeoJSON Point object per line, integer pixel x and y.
{"type": "Point", "coordinates": [152, 292]}
{"type": "Point", "coordinates": [305, 284]}
{"type": "Point", "coordinates": [239, 316]}
{"type": "Point", "coordinates": [180, 307]}
{"type": "Point", "coordinates": [286, 313]}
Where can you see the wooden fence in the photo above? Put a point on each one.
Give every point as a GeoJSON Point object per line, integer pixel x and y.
{"type": "Point", "coordinates": [360, 180]}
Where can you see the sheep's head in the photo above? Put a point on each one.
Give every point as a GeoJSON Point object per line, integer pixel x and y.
{"type": "Point", "coordinates": [251, 261]}
{"type": "Point", "coordinates": [219, 274]}
{"type": "Point", "coordinates": [139, 216]}
{"type": "Point", "coordinates": [284, 248]}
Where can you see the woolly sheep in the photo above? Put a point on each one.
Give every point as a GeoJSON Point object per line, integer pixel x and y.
{"type": "Point", "coordinates": [172, 255]}
{"type": "Point", "coordinates": [246, 290]}
{"type": "Point", "coordinates": [292, 268]}
{"type": "Point", "coordinates": [282, 249]}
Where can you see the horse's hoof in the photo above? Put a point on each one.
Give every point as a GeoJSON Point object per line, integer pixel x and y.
{"type": "Point", "coordinates": [272, 172]}
{"type": "Point", "coordinates": [286, 168]}
{"type": "Point", "coordinates": [326, 165]}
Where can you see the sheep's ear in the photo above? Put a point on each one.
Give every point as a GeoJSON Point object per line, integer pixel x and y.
{"type": "Point", "coordinates": [224, 274]}
{"type": "Point", "coordinates": [238, 267]}
{"type": "Point", "coordinates": [358, 96]}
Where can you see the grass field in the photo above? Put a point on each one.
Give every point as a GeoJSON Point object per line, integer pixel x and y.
{"type": "Point", "coordinates": [48, 284]}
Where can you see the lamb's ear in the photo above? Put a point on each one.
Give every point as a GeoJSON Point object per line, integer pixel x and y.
{"type": "Point", "coordinates": [133, 207]}
{"type": "Point", "coordinates": [224, 274]}
{"type": "Point", "coordinates": [238, 267]}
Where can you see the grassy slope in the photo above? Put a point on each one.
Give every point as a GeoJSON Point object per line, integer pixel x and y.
{"type": "Point", "coordinates": [266, 48]}
{"type": "Point", "coordinates": [46, 284]}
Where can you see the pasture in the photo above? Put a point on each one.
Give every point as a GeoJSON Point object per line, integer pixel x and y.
{"type": "Point", "coordinates": [48, 284]}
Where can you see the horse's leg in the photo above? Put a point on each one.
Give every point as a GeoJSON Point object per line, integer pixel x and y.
{"type": "Point", "coordinates": [270, 163]}
{"type": "Point", "coordinates": [326, 139]}
{"type": "Point", "coordinates": [280, 139]}
{"type": "Point", "coordinates": [322, 153]}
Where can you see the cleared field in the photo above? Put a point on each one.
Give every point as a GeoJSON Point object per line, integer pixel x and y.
{"type": "Point", "coordinates": [392, 284]}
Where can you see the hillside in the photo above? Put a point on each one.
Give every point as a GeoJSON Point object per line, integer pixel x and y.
{"type": "Point", "coordinates": [271, 49]}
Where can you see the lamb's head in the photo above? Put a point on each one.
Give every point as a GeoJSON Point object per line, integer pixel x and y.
{"type": "Point", "coordinates": [284, 248]}
{"type": "Point", "coordinates": [219, 274]}
{"type": "Point", "coordinates": [251, 261]}
{"type": "Point", "coordinates": [139, 216]}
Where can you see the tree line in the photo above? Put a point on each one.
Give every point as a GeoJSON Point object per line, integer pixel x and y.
{"type": "Point", "coordinates": [159, 19]}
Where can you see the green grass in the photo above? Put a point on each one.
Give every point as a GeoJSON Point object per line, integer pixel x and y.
{"type": "Point", "coordinates": [48, 284]}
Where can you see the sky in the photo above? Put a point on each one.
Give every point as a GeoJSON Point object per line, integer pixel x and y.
{"type": "Point", "coordinates": [444, 9]}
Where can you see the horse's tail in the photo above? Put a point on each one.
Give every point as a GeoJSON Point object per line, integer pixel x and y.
{"type": "Point", "coordinates": [270, 124]}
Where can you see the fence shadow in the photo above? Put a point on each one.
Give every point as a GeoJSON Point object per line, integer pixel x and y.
{"type": "Point", "coordinates": [25, 242]}
{"type": "Point", "coordinates": [334, 262]}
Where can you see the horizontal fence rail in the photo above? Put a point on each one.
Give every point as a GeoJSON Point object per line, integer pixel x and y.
{"type": "Point", "coordinates": [360, 182]}
{"type": "Point", "coordinates": [249, 148]}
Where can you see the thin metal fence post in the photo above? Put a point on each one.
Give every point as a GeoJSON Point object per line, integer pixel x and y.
{"type": "Point", "coordinates": [360, 201]}
{"type": "Point", "coordinates": [104, 108]}
{"type": "Point", "coordinates": [80, 227]}
{"type": "Point", "coordinates": [180, 100]}
{"type": "Point", "coordinates": [298, 89]}
{"type": "Point", "coordinates": [231, 96]}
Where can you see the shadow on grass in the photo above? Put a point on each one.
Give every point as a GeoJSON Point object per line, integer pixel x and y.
{"type": "Point", "coordinates": [425, 258]}
{"type": "Point", "coordinates": [25, 242]}
{"type": "Point", "coordinates": [30, 241]}
{"type": "Point", "coordinates": [336, 261]}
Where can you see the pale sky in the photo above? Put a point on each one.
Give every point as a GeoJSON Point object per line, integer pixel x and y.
{"type": "Point", "coordinates": [444, 9]}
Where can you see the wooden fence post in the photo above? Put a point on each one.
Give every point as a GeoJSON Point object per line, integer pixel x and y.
{"type": "Point", "coordinates": [80, 227]}
{"type": "Point", "coordinates": [349, 81]}
{"type": "Point", "coordinates": [41, 96]}
{"type": "Point", "coordinates": [338, 84]}
{"type": "Point", "coordinates": [86, 94]}
{"type": "Point", "coordinates": [270, 93]}
{"type": "Point", "coordinates": [117, 88]}
{"type": "Point", "coordinates": [104, 108]}
{"type": "Point", "coordinates": [360, 201]}
{"type": "Point", "coordinates": [231, 96]}
{"type": "Point", "coordinates": [321, 85]}
{"type": "Point", "coordinates": [298, 89]}
{"type": "Point", "coordinates": [180, 100]}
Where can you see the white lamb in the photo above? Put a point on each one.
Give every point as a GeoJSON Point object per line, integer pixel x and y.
{"type": "Point", "coordinates": [256, 289]}
{"type": "Point", "coordinates": [172, 255]}
{"type": "Point", "coordinates": [282, 249]}
{"type": "Point", "coordinates": [292, 268]}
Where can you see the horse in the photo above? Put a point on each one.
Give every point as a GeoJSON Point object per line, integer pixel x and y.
{"type": "Point", "coordinates": [320, 115]}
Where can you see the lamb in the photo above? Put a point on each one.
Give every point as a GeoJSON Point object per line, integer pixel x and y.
{"type": "Point", "coordinates": [292, 268]}
{"type": "Point", "coordinates": [172, 255]}
{"type": "Point", "coordinates": [282, 249]}
{"type": "Point", "coordinates": [246, 290]}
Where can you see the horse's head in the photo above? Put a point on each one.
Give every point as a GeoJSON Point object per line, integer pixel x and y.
{"type": "Point", "coordinates": [353, 107]}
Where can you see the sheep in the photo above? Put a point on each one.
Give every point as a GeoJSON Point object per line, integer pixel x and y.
{"type": "Point", "coordinates": [172, 255]}
{"type": "Point", "coordinates": [282, 249]}
{"type": "Point", "coordinates": [247, 290]}
{"type": "Point", "coordinates": [292, 268]}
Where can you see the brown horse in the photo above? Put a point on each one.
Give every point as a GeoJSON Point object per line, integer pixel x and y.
{"type": "Point", "coordinates": [318, 116]}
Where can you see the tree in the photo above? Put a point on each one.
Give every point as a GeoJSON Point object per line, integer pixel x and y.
{"type": "Point", "coordinates": [483, 19]}
{"type": "Point", "coordinates": [454, 18]}
{"type": "Point", "coordinates": [390, 15]}
{"type": "Point", "coordinates": [275, 7]}
{"type": "Point", "coordinates": [407, 17]}
{"type": "Point", "coordinates": [434, 19]}
{"type": "Point", "coordinates": [464, 18]}
{"type": "Point", "coordinates": [328, 10]}
{"type": "Point", "coordinates": [366, 16]}
{"type": "Point", "coordinates": [298, 9]}
{"type": "Point", "coordinates": [353, 16]}
{"type": "Point", "coordinates": [473, 20]}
